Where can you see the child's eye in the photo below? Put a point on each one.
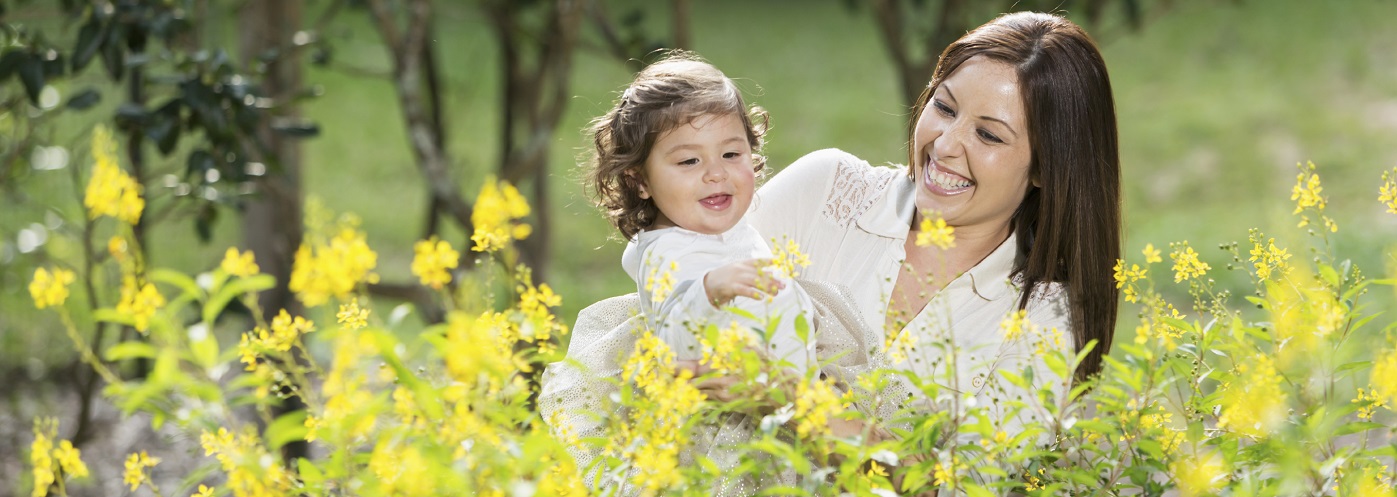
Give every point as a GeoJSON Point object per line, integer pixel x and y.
{"type": "Point", "coordinates": [688, 162]}
{"type": "Point", "coordinates": [732, 155]}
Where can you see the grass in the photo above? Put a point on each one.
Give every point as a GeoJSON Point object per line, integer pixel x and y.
{"type": "Point", "coordinates": [1216, 102]}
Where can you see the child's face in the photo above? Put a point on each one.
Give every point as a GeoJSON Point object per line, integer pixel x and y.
{"type": "Point", "coordinates": [700, 175]}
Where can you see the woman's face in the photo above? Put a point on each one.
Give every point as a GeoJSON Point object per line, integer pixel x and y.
{"type": "Point", "coordinates": [972, 149]}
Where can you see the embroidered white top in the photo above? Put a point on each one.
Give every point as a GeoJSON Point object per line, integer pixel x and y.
{"type": "Point", "coordinates": [852, 220]}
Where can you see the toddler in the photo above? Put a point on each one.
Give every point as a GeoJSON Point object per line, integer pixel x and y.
{"type": "Point", "coordinates": [675, 170]}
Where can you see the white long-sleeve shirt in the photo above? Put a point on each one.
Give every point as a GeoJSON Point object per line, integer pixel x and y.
{"type": "Point", "coordinates": [689, 256]}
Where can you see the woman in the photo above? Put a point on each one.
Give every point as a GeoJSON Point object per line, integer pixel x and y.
{"type": "Point", "coordinates": [1013, 145]}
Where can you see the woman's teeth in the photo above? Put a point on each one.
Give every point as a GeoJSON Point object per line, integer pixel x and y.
{"type": "Point", "coordinates": [945, 180]}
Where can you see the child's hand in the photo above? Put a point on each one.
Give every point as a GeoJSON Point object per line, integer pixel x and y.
{"type": "Point", "coordinates": [740, 279]}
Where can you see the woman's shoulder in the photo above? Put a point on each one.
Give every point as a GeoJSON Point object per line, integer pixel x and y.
{"type": "Point", "coordinates": [838, 170]}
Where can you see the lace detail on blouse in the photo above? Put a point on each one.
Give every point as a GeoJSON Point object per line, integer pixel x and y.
{"type": "Point", "coordinates": [854, 189]}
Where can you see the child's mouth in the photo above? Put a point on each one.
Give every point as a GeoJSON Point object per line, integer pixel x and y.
{"type": "Point", "coordinates": [717, 202]}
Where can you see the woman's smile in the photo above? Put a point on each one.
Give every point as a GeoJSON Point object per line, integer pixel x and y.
{"type": "Point", "coordinates": [942, 182]}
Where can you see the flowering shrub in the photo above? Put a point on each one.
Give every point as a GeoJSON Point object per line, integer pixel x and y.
{"type": "Point", "coordinates": [1288, 391]}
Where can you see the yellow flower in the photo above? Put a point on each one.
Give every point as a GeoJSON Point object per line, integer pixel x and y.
{"type": "Point", "coordinates": [1268, 259]}
{"type": "Point", "coordinates": [1307, 195]}
{"type": "Point", "coordinates": [136, 465]}
{"type": "Point", "coordinates": [1186, 263]}
{"type": "Point", "coordinates": [661, 283]}
{"type": "Point", "coordinates": [1253, 403]}
{"type": "Point", "coordinates": [1151, 254]}
{"type": "Point", "coordinates": [352, 316]}
{"type": "Point", "coordinates": [1127, 277]}
{"type": "Point", "coordinates": [1198, 475]}
{"type": "Point", "coordinates": [1383, 377]}
{"type": "Point", "coordinates": [724, 353]}
{"type": "Point", "coordinates": [434, 261]}
{"type": "Point", "coordinates": [1369, 401]}
{"type": "Point", "coordinates": [110, 191]}
{"type": "Point", "coordinates": [1015, 325]}
{"type": "Point", "coordinates": [41, 455]}
{"type": "Point", "coordinates": [788, 260]}
{"type": "Point", "coordinates": [140, 301]}
{"type": "Point", "coordinates": [935, 233]}
{"type": "Point", "coordinates": [287, 330]}
{"type": "Point", "coordinates": [495, 216]}
{"type": "Point", "coordinates": [239, 264]}
{"type": "Point", "coordinates": [203, 492]}
{"type": "Point", "coordinates": [1387, 193]}
{"type": "Point", "coordinates": [334, 268]}
{"type": "Point", "coordinates": [815, 404]}
{"type": "Point", "coordinates": [50, 289]}
{"type": "Point", "coordinates": [900, 344]}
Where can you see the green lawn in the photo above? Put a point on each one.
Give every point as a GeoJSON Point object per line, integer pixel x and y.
{"type": "Point", "coordinates": [1217, 103]}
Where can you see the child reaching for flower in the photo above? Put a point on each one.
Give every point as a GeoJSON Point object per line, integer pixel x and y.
{"type": "Point", "coordinates": [675, 169]}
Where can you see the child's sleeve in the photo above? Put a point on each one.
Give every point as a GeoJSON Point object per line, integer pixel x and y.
{"type": "Point", "coordinates": [671, 284]}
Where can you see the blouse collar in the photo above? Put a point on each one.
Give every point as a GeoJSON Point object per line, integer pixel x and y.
{"type": "Point", "coordinates": [891, 217]}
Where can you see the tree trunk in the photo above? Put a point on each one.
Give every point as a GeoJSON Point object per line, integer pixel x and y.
{"type": "Point", "coordinates": [272, 222]}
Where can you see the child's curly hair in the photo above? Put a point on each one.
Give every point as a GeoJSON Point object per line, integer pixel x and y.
{"type": "Point", "coordinates": [669, 93]}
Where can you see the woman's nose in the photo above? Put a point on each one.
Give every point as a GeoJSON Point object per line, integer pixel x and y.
{"type": "Point", "coordinates": [951, 142]}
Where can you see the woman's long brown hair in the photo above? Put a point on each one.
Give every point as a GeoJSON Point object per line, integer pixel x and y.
{"type": "Point", "coordinates": [1069, 228]}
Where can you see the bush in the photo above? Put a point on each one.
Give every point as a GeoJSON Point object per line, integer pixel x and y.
{"type": "Point", "coordinates": [1288, 393]}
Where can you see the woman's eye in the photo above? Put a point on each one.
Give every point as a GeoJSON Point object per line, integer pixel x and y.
{"type": "Point", "coordinates": [989, 137]}
{"type": "Point", "coordinates": [688, 162]}
{"type": "Point", "coordinates": [943, 109]}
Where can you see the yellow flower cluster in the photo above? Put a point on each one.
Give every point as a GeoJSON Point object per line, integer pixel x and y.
{"type": "Point", "coordinates": [241, 264]}
{"type": "Point", "coordinates": [401, 470]}
{"type": "Point", "coordinates": [1371, 482]}
{"type": "Point", "coordinates": [1127, 277]}
{"type": "Point", "coordinates": [538, 324]}
{"type": "Point", "coordinates": [944, 473]}
{"type": "Point", "coordinates": [1387, 193]}
{"type": "Point", "coordinates": [1186, 263]}
{"type": "Point", "coordinates": [433, 261]}
{"type": "Point", "coordinates": [1199, 475]}
{"type": "Point", "coordinates": [1015, 325]}
{"type": "Point", "coordinates": [1307, 194]}
{"type": "Point", "coordinates": [50, 289]}
{"type": "Point", "coordinates": [284, 333]}
{"type": "Point", "coordinates": [660, 283]}
{"type": "Point", "coordinates": [816, 403]}
{"type": "Point", "coordinates": [53, 464]}
{"type": "Point", "coordinates": [654, 435]}
{"type": "Point", "coordinates": [477, 347]}
{"type": "Point", "coordinates": [1153, 325]}
{"type": "Point", "coordinates": [1369, 401]}
{"type": "Point", "coordinates": [136, 466]}
{"type": "Point", "coordinates": [936, 232]}
{"type": "Point", "coordinates": [900, 345]}
{"type": "Point", "coordinates": [1383, 377]}
{"type": "Point", "coordinates": [724, 354]}
{"type": "Point", "coordinates": [1253, 402]}
{"type": "Point", "coordinates": [334, 268]}
{"type": "Point", "coordinates": [1268, 259]}
{"type": "Point", "coordinates": [788, 259]}
{"type": "Point", "coordinates": [496, 214]}
{"type": "Point", "coordinates": [140, 301]}
{"type": "Point", "coordinates": [252, 470]}
{"type": "Point", "coordinates": [352, 316]}
{"type": "Point", "coordinates": [110, 191]}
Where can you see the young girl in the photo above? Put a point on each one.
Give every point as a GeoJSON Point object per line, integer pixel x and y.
{"type": "Point", "coordinates": [675, 169]}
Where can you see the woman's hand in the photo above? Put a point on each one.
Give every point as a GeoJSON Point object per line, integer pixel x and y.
{"type": "Point", "coordinates": [740, 279]}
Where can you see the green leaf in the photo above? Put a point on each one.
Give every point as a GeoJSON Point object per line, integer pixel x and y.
{"type": "Point", "coordinates": [84, 99]}
{"type": "Point", "coordinates": [109, 315]}
{"type": "Point", "coordinates": [178, 280]}
{"type": "Point", "coordinates": [802, 329]}
{"type": "Point", "coordinates": [1357, 427]}
{"type": "Point", "coordinates": [287, 428]}
{"type": "Point", "coordinates": [204, 347]}
{"type": "Point", "coordinates": [234, 288]}
{"type": "Point", "coordinates": [309, 473]}
{"type": "Point", "coordinates": [130, 349]}
{"type": "Point", "coordinates": [9, 63]}
{"type": "Point", "coordinates": [1329, 276]}
{"type": "Point", "coordinates": [89, 41]}
{"type": "Point", "coordinates": [31, 74]}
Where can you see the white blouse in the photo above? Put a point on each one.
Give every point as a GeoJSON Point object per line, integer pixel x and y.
{"type": "Point", "coordinates": [852, 220]}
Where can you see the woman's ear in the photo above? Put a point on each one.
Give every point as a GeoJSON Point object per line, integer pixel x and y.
{"type": "Point", "coordinates": [1035, 179]}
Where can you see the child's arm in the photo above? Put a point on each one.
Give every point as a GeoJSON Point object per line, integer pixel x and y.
{"type": "Point", "coordinates": [740, 279]}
